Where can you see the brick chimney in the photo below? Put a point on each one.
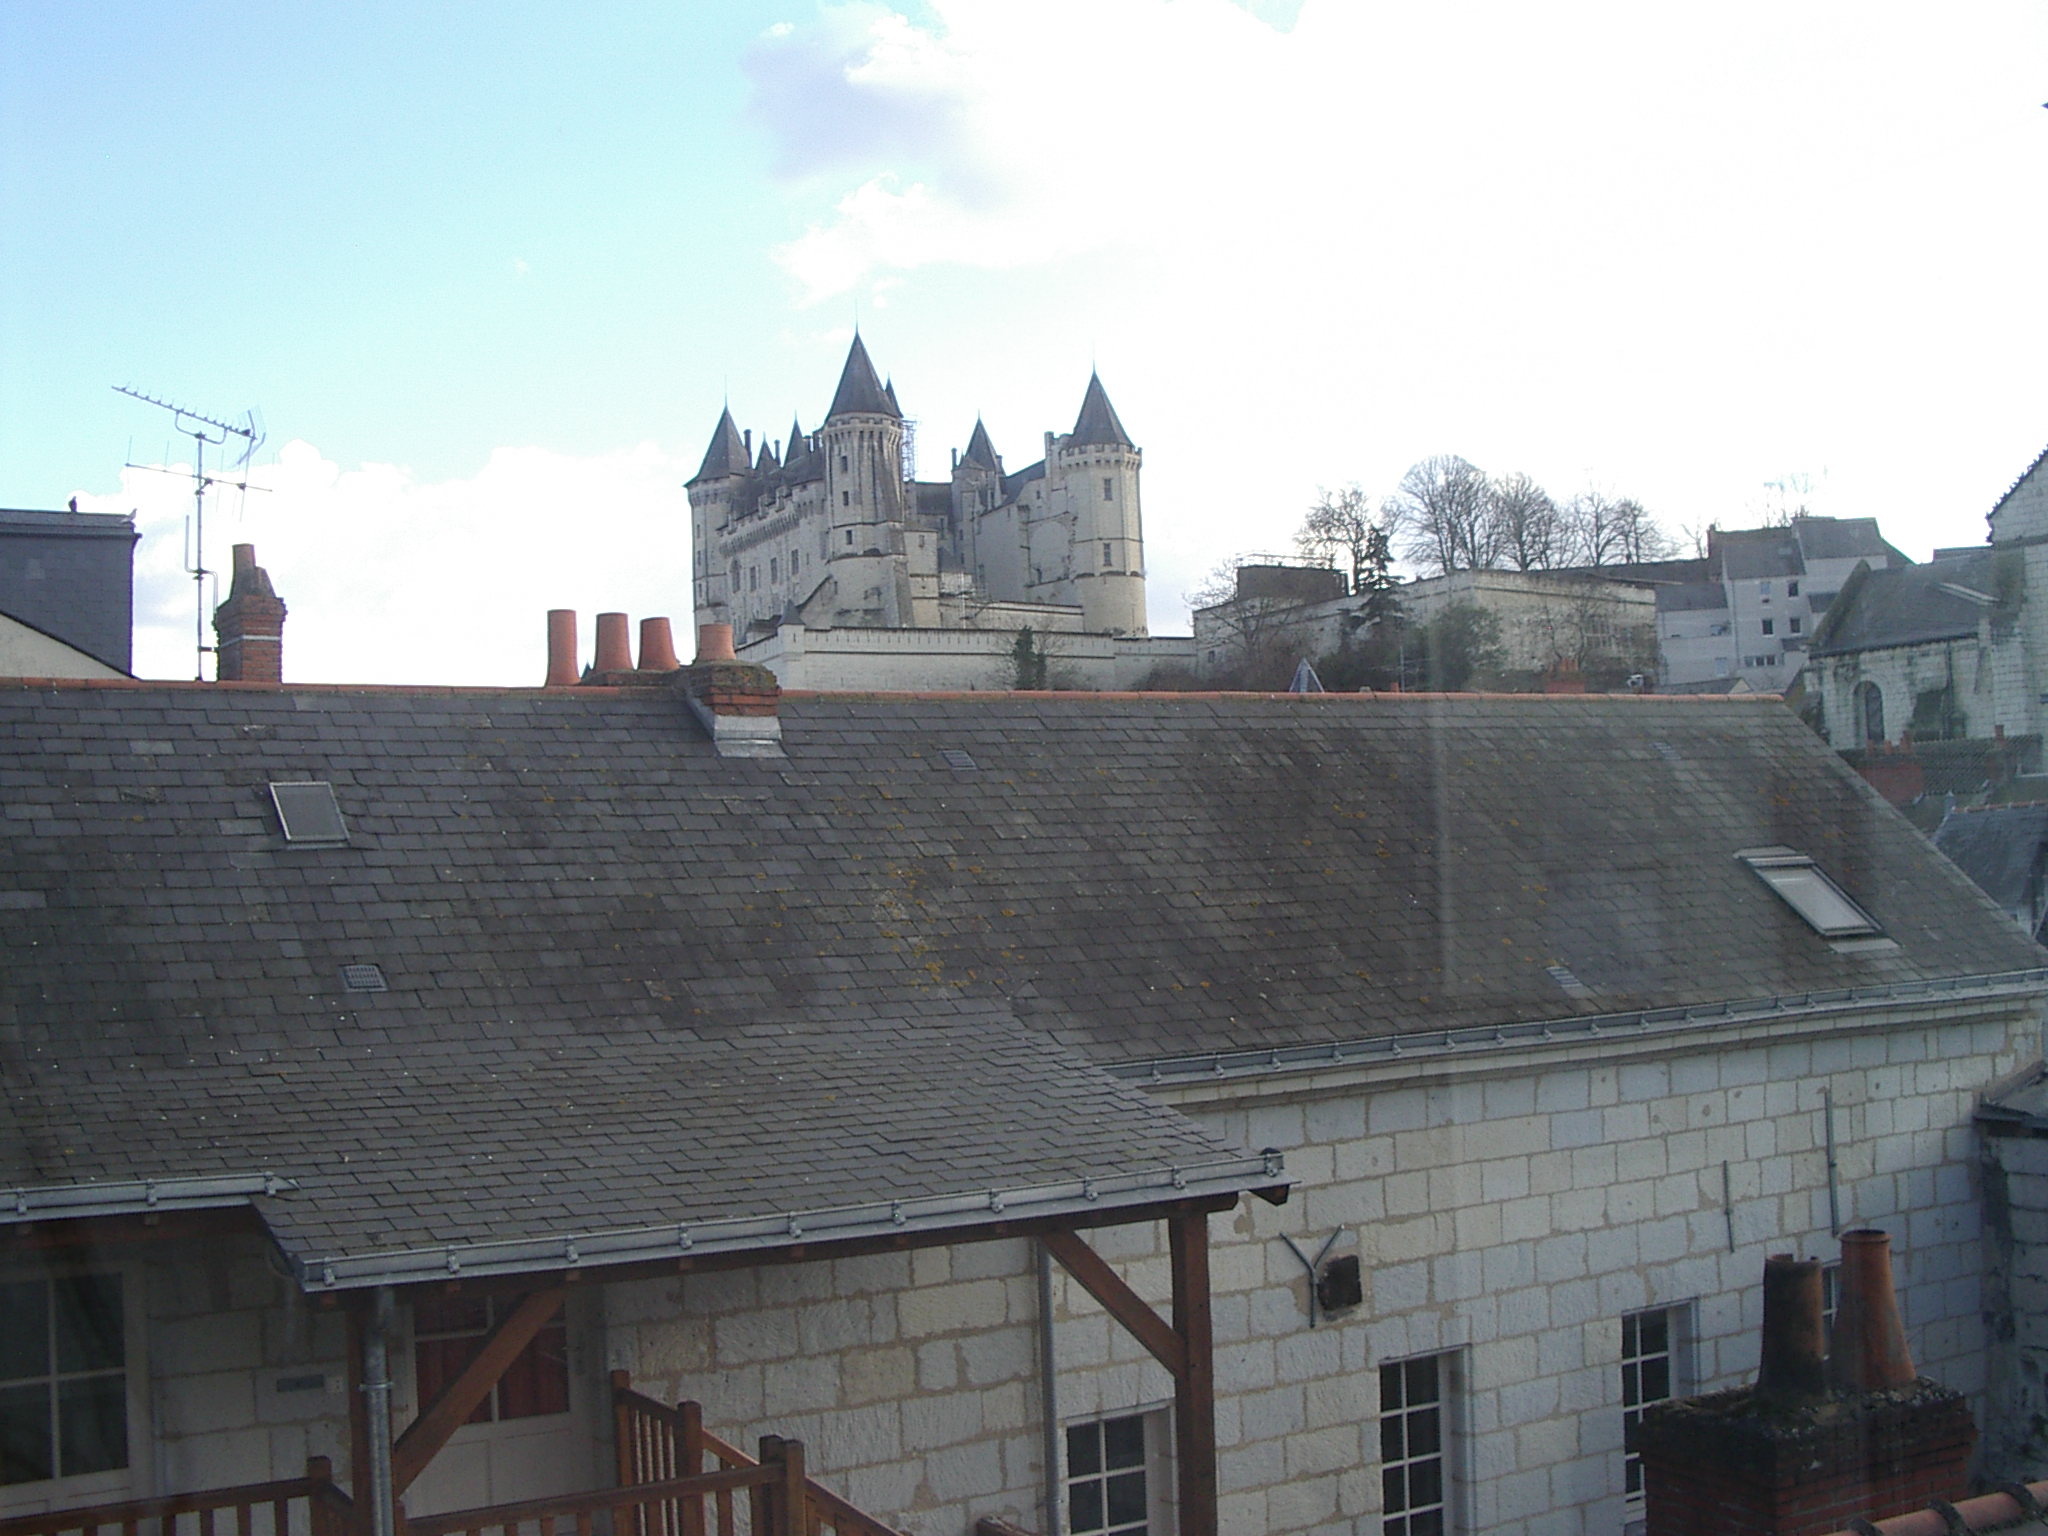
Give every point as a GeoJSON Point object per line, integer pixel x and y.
{"type": "Point", "coordinates": [737, 702]}
{"type": "Point", "coordinates": [1800, 1454]}
{"type": "Point", "coordinates": [249, 627]}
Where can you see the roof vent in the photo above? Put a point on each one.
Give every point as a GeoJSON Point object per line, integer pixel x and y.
{"type": "Point", "coordinates": [1567, 982]}
{"type": "Point", "coordinates": [364, 978]}
{"type": "Point", "coordinates": [959, 760]}
{"type": "Point", "coordinates": [308, 814]}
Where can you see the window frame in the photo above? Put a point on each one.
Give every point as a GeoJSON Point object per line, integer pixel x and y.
{"type": "Point", "coordinates": [1447, 1456]}
{"type": "Point", "coordinates": [1155, 1425]}
{"type": "Point", "coordinates": [1675, 1362]}
{"type": "Point", "coordinates": [132, 1479]}
{"type": "Point", "coordinates": [1803, 886]}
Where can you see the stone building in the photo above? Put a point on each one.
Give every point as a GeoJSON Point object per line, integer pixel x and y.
{"type": "Point", "coordinates": [66, 593]}
{"type": "Point", "coordinates": [888, 1072]}
{"type": "Point", "coordinates": [830, 530]}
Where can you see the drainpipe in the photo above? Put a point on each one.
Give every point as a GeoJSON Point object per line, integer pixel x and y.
{"type": "Point", "coordinates": [377, 1388]}
{"type": "Point", "coordinates": [1049, 1393]}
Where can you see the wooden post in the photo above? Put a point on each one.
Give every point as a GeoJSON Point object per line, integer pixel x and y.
{"type": "Point", "coordinates": [792, 1505]}
{"type": "Point", "coordinates": [762, 1495]}
{"type": "Point", "coordinates": [1194, 1387]}
{"type": "Point", "coordinates": [319, 1480]}
{"type": "Point", "coordinates": [689, 1459]}
{"type": "Point", "coordinates": [358, 1422]}
{"type": "Point", "coordinates": [624, 1444]}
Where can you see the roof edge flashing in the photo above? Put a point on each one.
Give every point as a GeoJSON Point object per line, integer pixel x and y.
{"type": "Point", "coordinates": [63, 1202]}
{"type": "Point", "coordinates": [928, 1214]}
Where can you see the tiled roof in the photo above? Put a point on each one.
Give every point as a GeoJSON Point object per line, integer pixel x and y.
{"type": "Point", "coordinates": [860, 390]}
{"type": "Point", "coordinates": [631, 980]}
{"type": "Point", "coordinates": [1097, 425]}
{"type": "Point", "coordinates": [1999, 847]}
{"type": "Point", "coordinates": [727, 454]}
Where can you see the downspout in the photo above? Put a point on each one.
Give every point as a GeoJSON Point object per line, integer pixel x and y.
{"type": "Point", "coordinates": [1049, 1393]}
{"type": "Point", "coordinates": [377, 1389]}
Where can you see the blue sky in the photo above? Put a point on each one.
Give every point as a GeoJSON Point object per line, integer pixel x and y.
{"type": "Point", "coordinates": [488, 272]}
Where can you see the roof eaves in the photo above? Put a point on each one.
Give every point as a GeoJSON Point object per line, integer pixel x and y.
{"type": "Point", "coordinates": [781, 1229]}
{"type": "Point", "coordinates": [63, 1202]}
{"type": "Point", "coordinates": [1426, 1045]}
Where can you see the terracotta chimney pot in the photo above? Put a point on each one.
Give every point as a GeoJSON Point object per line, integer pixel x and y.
{"type": "Point", "coordinates": [1870, 1353]}
{"type": "Point", "coordinates": [657, 646]}
{"type": "Point", "coordinates": [562, 669]}
{"type": "Point", "coordinates": [614, 644]}
{"type": "Point", "coordinates": [1793, 1369]}
{"type": "Point", "coordinates": [714, 643]}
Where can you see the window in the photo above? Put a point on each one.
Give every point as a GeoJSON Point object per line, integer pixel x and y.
{"type": "Point", "coordinates": [1113, 1481]}
{"type": "Point", "coordinates": [1870, 705]}
{"type": "Point", "coordinates": [1791, 589]}
{"type": "Point", "coordinates": [1414, 1476]}
{"type": "Point", "coordinates": [1802, 886]}
{"type": "Point", "coordinates": [846, 498]}
{"type": "Point", "coordinates": [63, 1378]}
{"type": "Point", "coordinates": [1106, 556]}
{"type": "Point", "coordinates": [447, 1331]}
{"type": "Point", "coordinates": [1108, 488]}
{"type": "Point", "coordinates": [842, 464]}
{"type": "Point", "coordinates": [308, 814]}
{"type": "Point", "coordinates": [849, 537]}
{"type": "Point", "coordinates": [1769, 627]}
{"type": "Point", "coordinates": [1792, 626]}
{"type": "Point", "coordinates": [795, 560]}
{"type": "Point", "coordinates": [1763, 590]}
{"type": "Point", "coordinates": [774, 569]}
{"type": "Point", "coordinates": [1646, 1378]}
{"type": "Point", "coordinates": [753, 578]}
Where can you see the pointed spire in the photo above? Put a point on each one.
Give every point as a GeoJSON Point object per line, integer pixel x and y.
{"type": "Point", "coordinates": [860, 390]}
{"type": "Point", "coordinates": [1097, 423]}
{"type": "Point", "coordinates": [889, 389]}
{"type": "Point", "coordinates": [979, 449]}
{"type": "Point", "coordinates": [796, 447]}
{"type": "Point", "coordinates": [766, 463]}
{"type": "Point", "coordinates": [727, 454]}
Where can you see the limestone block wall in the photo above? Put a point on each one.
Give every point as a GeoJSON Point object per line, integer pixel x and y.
{"type": "Point", "coordinates": [1990, 685]}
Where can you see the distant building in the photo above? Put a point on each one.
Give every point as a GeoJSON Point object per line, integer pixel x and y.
{"type": "Point", "coordinates": [1750, 608]}
{"type": "Point", "coordinates": [830, 531]}
{"type": "Point", "coordinates": [67, 586]}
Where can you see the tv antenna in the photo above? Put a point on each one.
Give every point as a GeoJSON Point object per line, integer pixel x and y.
{"type": "Point", "coordinates": [203, 430]}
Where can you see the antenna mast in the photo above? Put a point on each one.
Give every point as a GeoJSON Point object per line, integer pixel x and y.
{"type": "Point", "coordinates": [195, 426]}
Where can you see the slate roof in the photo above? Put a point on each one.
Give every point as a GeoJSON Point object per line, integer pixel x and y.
{"type": "Point", "coordinates": [1843, 538]}
{"type": "Point", "coordinates": [1915, 604]}
{"type": "Point", "coordinates": [1692, 597]}
{"type": "Point", "coordinates": [860, 389]}
{"type": "Point", "coordinates": [980, 450]}
{"type": "Point", "coordinates": [1999, 847]}
{"type": "Point", "coordinates": [727, 454]}
{"type": "Point", "coordinates": [633, 981]}
{"type": "Point", "coordinates": [1097, 424]}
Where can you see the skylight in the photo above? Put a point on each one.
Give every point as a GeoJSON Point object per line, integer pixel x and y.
{"type": "Point", "coordinates": [308, 814]}
{"type": "Point", "coordinates": [1802, 886]}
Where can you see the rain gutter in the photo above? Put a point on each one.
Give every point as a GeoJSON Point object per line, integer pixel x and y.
{"type": "Point", "coordinates": [136, 1197]}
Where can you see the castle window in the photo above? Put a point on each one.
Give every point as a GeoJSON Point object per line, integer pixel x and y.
{"type": "Point", "coordinates": [795, 558]}
{"type": "Point", "coordinates": [753, 578]}
{"type": "Point", "coordinates": [1105, 554]}
{"type": "Point", "coordinates": [843, 466]}
{"type": "Point", "coordinates": [1108, 488]}
{"type": "Point", "coordinates": [1769, 627]}
{"type": "Point", "coordinates": [849, 536]}
{"type": "Point", "coordinates": [1791, 589]}
{"type": "Point", "coordinates": [774, 570]}
{"type": "Point", "coordinates": [1794, 626]}
{"type": "Point", "coordinates": [846, 498]}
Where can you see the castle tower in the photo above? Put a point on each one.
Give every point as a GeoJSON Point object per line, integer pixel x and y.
{"type": "Point", "coordinates": [718, 494]}
{"type": "Point", "coordinates": [861, 444]}
{"type": "Point", "coordinates": [1100, 464]}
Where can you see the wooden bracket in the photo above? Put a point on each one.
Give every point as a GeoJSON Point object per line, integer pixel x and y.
{"type": "Point", "coordinates": [449, 1411]}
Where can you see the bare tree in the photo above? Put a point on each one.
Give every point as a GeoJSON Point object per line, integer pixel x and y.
{"type": "Point", "coordinates": [1527, 527]}
{"type": "Point", "coordinates": [1441, 507]}
{"type": "Point", "coordinates": [1640, 536]}
{"type": "Point", "coordinates": [1250, 640]}
{"type": "Point", "coordinates": [1340, 531]}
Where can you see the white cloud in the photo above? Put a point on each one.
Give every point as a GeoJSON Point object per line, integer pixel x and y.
{"type": "Point", "coordinates": [391, 578]}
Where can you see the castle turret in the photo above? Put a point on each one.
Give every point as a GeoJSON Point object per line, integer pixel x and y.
{"type": "Point", "coordinates": [1100, 464]}
{"type": "Point", "coordinates": [861, 443]}
{"type": "Point", "coordinates": [718, 493]}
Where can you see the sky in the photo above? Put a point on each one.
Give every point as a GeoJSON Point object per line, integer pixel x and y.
{"type": "Point", "coordinates": [485, 275]}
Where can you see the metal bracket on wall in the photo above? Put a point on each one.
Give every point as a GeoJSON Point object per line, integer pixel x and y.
{"type": "Point", "coordinates": [1313, 1265]}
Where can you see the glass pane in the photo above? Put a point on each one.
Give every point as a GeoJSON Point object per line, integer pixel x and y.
{"type": "Point", "coordinates": [1656, 1333]}
{"type": "Point", "coordinates": [1123, 1443]}
{"type": "Point", "coordinates": [92, 1425]}
{"type": "Point", "coordinates": [1422, 1380]}
{"type": "Point", "coordinates": [1126, 1497]}
{"type": "Point", "coordinates": [1085, 1500]}
{"type": "Point", "coordinates": [89, 1328]}
{"type": "Point", "coordinates": [538, 1381]}
{"type": "Point", "coordinates": [1425, 1482]}
{"type": "Point", "coordinates": [1428, 1523]}
{"type": "Point", "coordinates": [1393, 1490]}
{"type": "Point", "coordinates": [1656, 1379]}
{"type": "Point", "coordinates": [24, 1330]}
{"type": "Point", "coordinates": [1424, 1433]}
{"type": "Point", "coordinates": [25, 1434]}
{"type": "Point", "coordinates": [1084, 1450]}
{"type": "Point", "coordinates": [1392, 1441]}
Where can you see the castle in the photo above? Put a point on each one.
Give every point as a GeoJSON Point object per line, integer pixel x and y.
{"type": "Point", "coordinates": [832, 532]}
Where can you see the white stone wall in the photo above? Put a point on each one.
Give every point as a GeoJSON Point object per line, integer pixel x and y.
{"type": "Point", "coordinates": [27, 652]}
{"type": "Point", "coordinates": [2016, 1200]}
{"type": "Point", "coordinates": [966, 660]}
{"type": "Point", "coordinates": [1990, 681]}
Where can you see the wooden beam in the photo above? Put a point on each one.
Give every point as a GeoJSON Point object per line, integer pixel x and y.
{"type": "Point", "coordinates": [1119, 1300]}
{"type": "Point", "coordinates": [448, 1412]}
{"type": "Point", "coordinates": [358, 1414]}
{"type": "Point", "coordinates": [1194, 1394]}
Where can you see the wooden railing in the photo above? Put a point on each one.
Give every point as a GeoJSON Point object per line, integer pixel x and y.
{"type": "Point", "coordinates": [774, 1506]}
{"type": "Point", "coordinates": [254, 1509]}
{"type": "Point", "coordinates": [655, 1442]}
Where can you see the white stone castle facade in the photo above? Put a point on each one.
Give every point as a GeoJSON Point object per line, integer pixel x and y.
{"type": "Point", "coordinates": [829, 531]}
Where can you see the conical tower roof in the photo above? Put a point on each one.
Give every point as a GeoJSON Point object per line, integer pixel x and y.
{"type": "Point", "coordinates": [889, 389]}
{"type": "Point", "coordinates": [860, 388]}
{"type": "Point", "coordinates": [979, 449]}
{"type": "Point", "coordinates": [727, 454]}
{"type": "Point", "coordinates": [1097, 423]}
{"type": "Point", "coordinates": [795, 448]}
{"type": "Point", "coordinates": [766, 463]}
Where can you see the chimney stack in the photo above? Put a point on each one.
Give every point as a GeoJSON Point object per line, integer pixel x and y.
{"type": "Point", "coordinates": [737, 702]}
{"type": "Point", "coordinates": [1799, 1454]}
{"type": "Point", "coordinates": [249, 627]}
{"type": "Point", "coordinates": [563, 668]}
{"type": "Point", "coordinates": [614, 648]}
